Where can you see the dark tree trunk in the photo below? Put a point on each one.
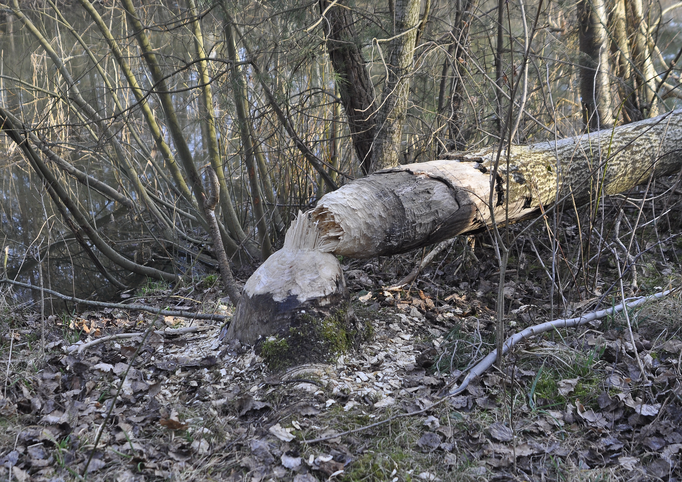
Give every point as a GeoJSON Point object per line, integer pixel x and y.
{"type": "Point", "coordinates": [354, 83]}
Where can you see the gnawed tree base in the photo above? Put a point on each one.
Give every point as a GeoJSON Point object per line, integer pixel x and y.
{"type": "Point", "coordinates": [396, 210]}
{"type": "Point", "coordinates": [295, 308]}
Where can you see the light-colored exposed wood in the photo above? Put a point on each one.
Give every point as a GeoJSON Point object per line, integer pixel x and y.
{"type": "Point", "coordinates": [415, 205]}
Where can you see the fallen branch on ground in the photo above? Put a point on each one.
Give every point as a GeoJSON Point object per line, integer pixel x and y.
{"type": "Point", "coordinates": [423, 264]}
{"type": "Point", "coordinates": [482, 366]}
{"type": "Point", "coordinates": [118, 336]}
{"type": "Point", "coordinates": [488, 361]}
{"type": "Point", "coordinates": [134, 307]}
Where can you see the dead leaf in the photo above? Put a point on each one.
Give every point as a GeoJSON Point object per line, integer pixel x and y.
{"type": "Point", "coordinates": [500, 432]}
{"type": "Point", "coordinates": [172, 424]}
{"type": "Point", "coordinates": [181, 455]}
{"type": "Point", "coordinates": [330, 467]}
{"type": "Point", "coordinates": [673, 346]}
{"type": "Point", "coordinates": [284, 434]}
{"type": "Point", "coordinates": [432, 422]}
{"type": "Point", "coordinates": [429, 442]}
{"type": "Point", "coordinates": [365, 298]}
{"type": "Point", "coordinates": [385, 402]}
{"type": "Point", "coordinates": [201, 446]}
{"type": "Point", "coordinates": [292, 463]}
{"type": "Point", "coordinates": [567, 386]}
{"type": "Point", "coordinates": [597, 420]}
{"type": "Point", "coordinates": [655, 443]}
{"type": "Point", "coordinates": [20, 475]}
{"type": "Point", "coordinates": [659, 468]}
{"type": "Point", "coordinates": [670, 451]}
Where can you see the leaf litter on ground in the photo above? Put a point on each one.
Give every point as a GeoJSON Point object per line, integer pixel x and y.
{"type": "Point", "coordinates": [191, 408]}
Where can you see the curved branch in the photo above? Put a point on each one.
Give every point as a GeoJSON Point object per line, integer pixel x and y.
{"type": "Point", "coordinates": [121, 306]}
{"type": "Point", "coordinates": [488, 361]}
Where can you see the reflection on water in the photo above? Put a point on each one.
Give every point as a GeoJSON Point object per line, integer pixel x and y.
{"type": "Point", "coordinates": [32, 228]}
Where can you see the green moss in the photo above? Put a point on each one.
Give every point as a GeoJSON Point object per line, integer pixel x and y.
{"type": "Point", "coordinates": [208, 281]}
{"type": "Point", "coordinates": [153, 287]}
{"type": "Point", "coordinates": [275, 352]}
{"type": "Point", "coordinates": [371, 466]}
{"type": "Point", "coordinates": [315, 336]}
{"type": "Point", "coordinates": [333, 331]}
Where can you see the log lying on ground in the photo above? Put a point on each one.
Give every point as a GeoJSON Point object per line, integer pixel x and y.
{"type": "Point", "coordinates": [415, 205]}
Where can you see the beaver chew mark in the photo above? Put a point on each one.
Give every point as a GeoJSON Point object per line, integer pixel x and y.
{"type": "Point", "coordinates": [330, 231]}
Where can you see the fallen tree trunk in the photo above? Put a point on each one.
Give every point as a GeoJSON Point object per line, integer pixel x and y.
{"type": "Point", "coordinates": [415, 205]}
{"type": "Point", "coordinates": [399, 209]}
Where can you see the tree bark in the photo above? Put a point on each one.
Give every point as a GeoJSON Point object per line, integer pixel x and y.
{"type": "Point", "coordinates": [415, 205]}
{"type": "Point", "coordinates": [353, 81]}
{"type": "Point", "coordinates": [620, 48]}
{"type": "Point", "coordinates": [645, 74]}
{"type": "Point", "coordinates": [388, 149]}
{"type": "Point", "coordinates": [594, 66]}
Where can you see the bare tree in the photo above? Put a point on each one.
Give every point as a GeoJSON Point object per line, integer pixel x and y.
{"type": "Point", "coordinates": [595, 87]}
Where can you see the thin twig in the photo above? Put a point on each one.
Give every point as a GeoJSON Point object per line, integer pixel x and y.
{"type": "Point", "coordinates": [423, 264]}
{"type": "Point", "coordinates": [135, 307]}
{"type": "Point", "coordinates": [9, 359]}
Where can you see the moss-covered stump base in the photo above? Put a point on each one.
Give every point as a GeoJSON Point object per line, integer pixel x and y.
{"type": "Point", "coordinates": [295, 309]}
{"type": "Point", "coordinates": [314, 335]}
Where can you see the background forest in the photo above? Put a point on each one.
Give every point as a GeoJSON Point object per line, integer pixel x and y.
{"type": "Point", "coordinates": [118, 109]}
{"type": "Point", "coordinates": [149, 145]}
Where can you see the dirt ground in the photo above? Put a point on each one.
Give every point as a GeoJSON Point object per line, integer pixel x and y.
{"type": "Point", "coordinates": [577, 404]}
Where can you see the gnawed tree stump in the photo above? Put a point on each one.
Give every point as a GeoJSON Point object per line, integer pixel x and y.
{"type": "Point", "coordinates": [296, 307]}
{"type": "Point", "coordinates": [415, 205]}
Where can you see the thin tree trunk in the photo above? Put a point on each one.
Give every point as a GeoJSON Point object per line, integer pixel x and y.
{"type": "Point", "coordinates": [645, 74]}
{"type": "Point", "coordinates": [143, 105]}
{"type": "Point", "coordinates": [268, 189]}
{"type": "Point", "coordinates": [241, 101]}
{"type": "Point", "coordinates": [456, 55]}
{"type": "Point", "coordinates": [499, 73]}
{"type": "Point", "coordinates": [354, 83]}
{"type": "Point", "coordinates": [208, 119]}
{"type": "Point", "coordinates": [595, 89]}
{"type": "Point", "coordinates": [173, 125]}
{"type": "Point", "coordinates": [620, 48]}
{"type": "Point", "coordinates": [210, 202]}
{"type": "Point", "coordinates": [388, 145]}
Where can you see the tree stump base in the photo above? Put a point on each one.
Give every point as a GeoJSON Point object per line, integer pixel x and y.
{"type": "Point", "coordinates": [296, 308]}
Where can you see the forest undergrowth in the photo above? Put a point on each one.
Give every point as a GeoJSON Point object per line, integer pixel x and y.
{"type": "Point", "coordinates": [598, 402]}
